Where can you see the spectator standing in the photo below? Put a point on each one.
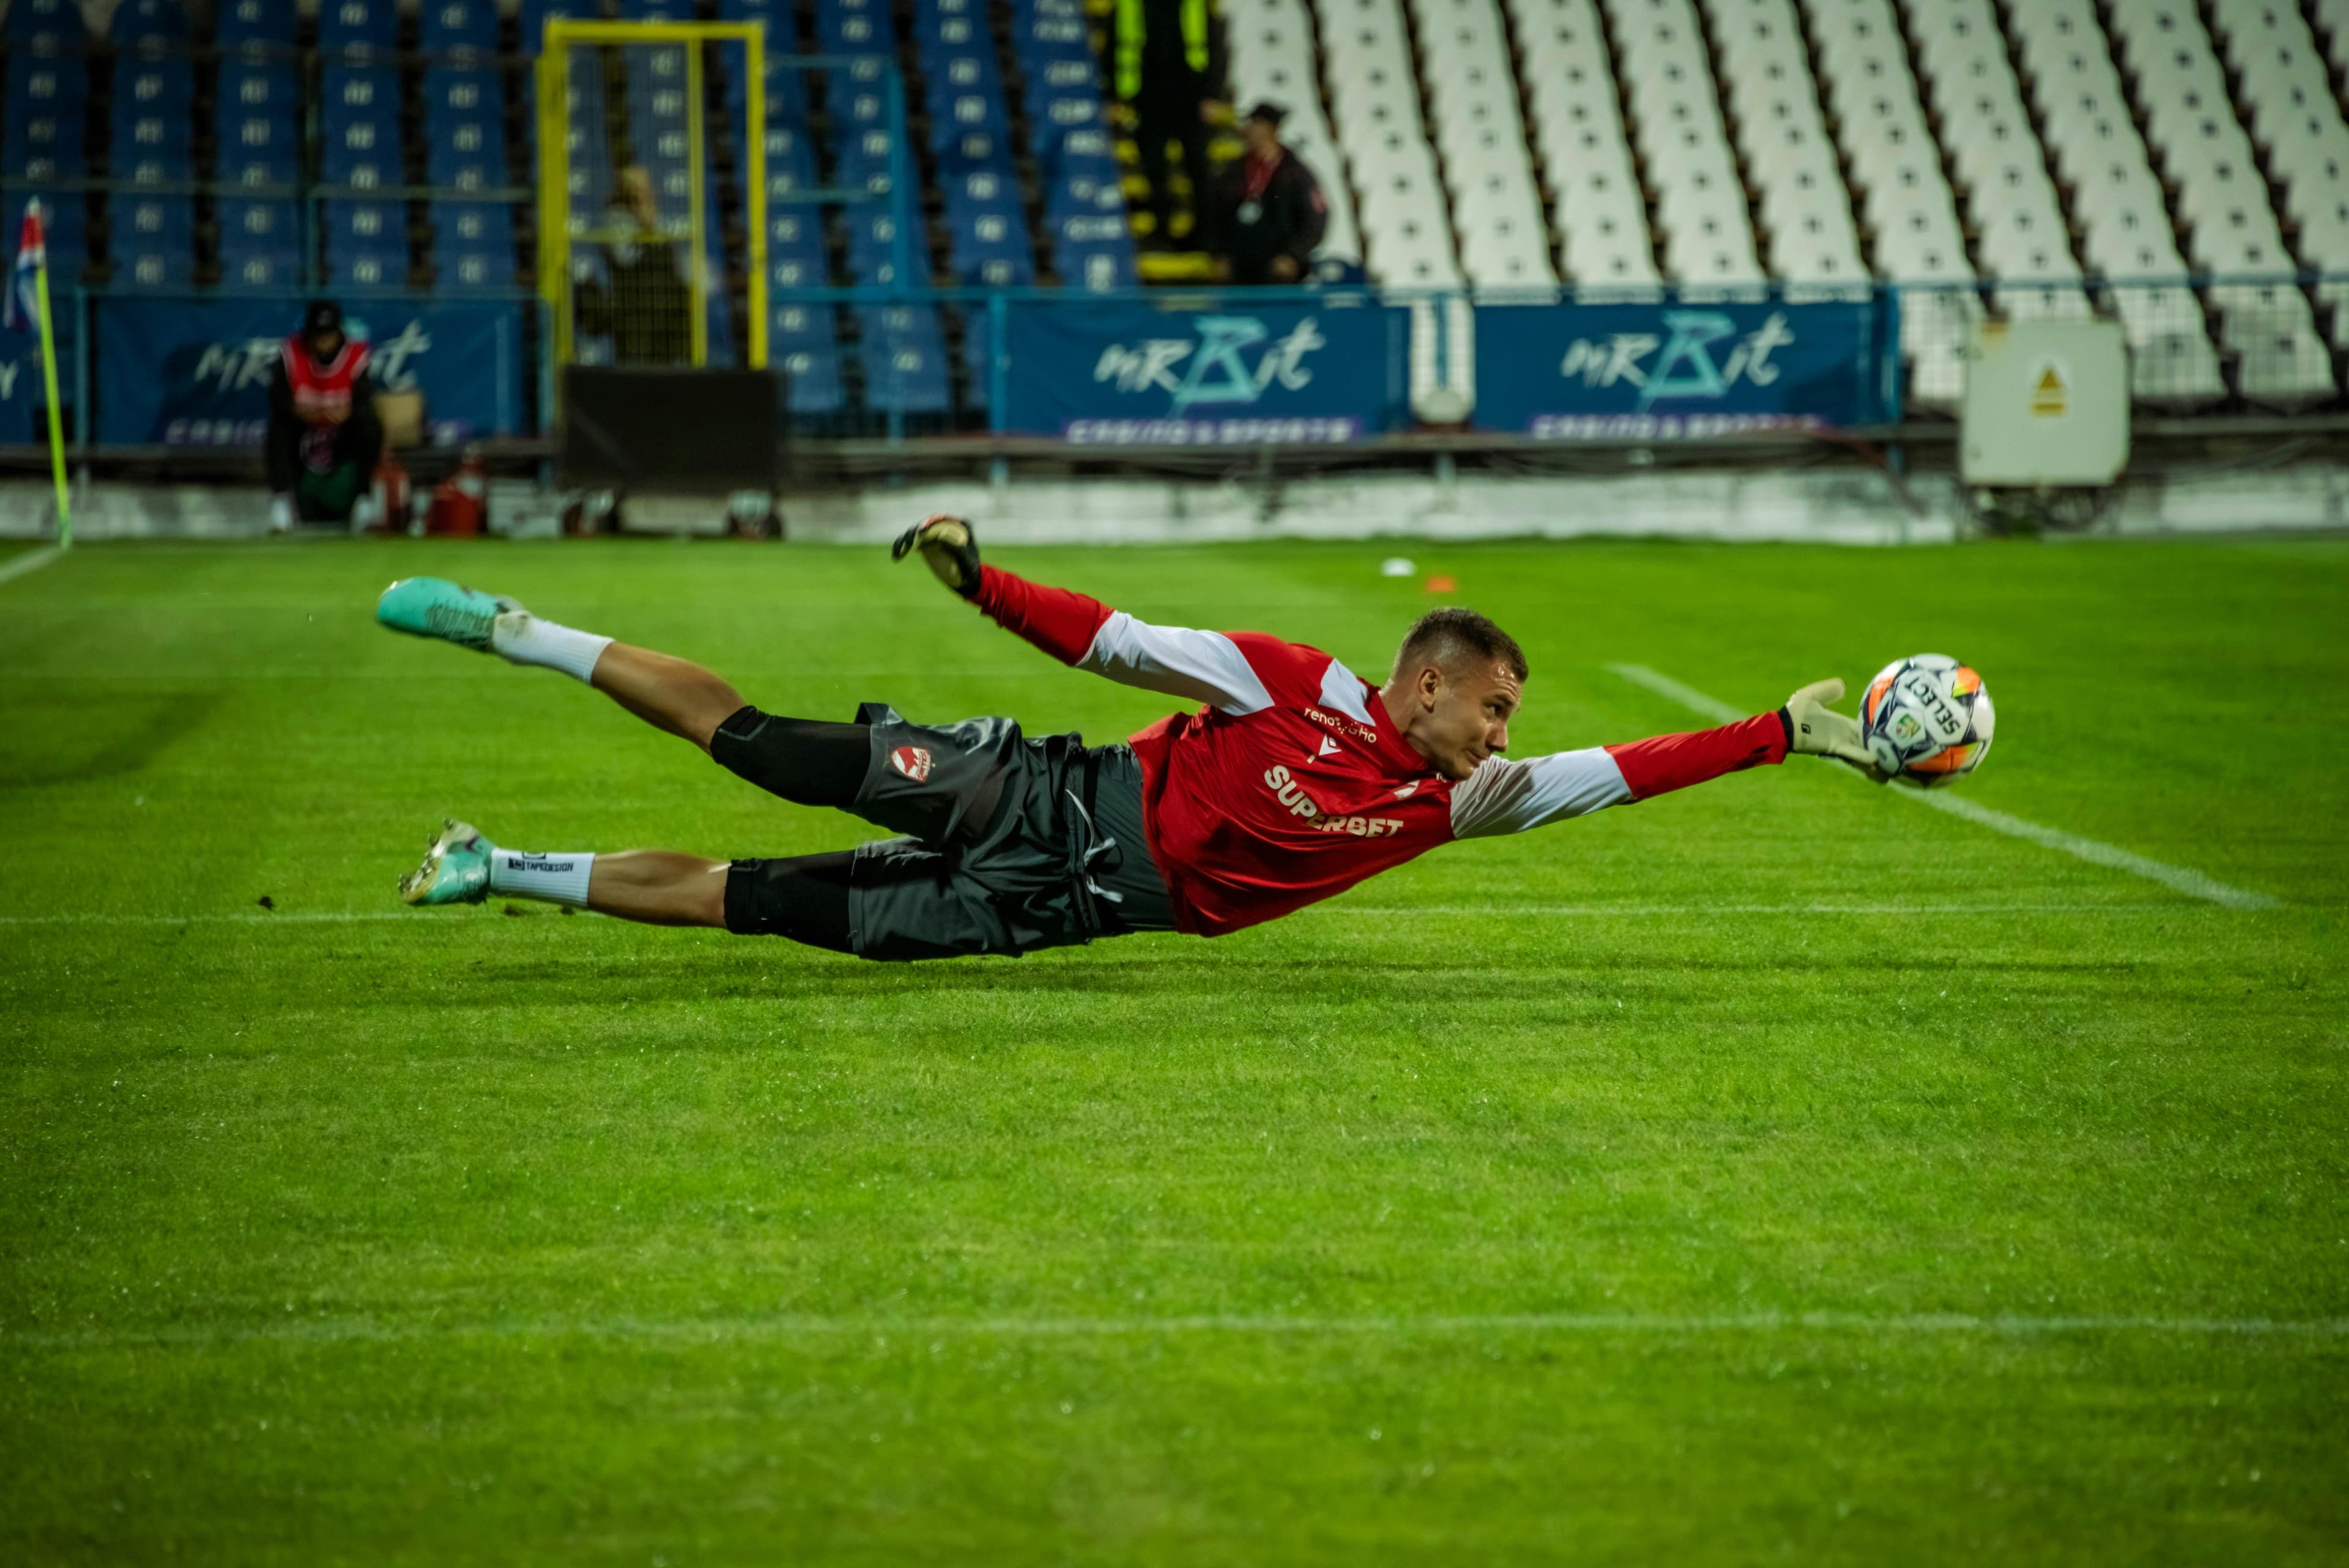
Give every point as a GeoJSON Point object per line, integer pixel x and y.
{"type": "Point", "coordinates": [1269, 213]}
{"type": "Point", "coordinates": [647, 309]}
{"type": "Point", "coordinates": [1166, 71]}
{"type": "Point", "coordinates": [324, 436]}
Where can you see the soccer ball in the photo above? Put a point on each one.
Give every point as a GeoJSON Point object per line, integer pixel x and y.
{"type": "Point", "coordinates": [1927, 720]}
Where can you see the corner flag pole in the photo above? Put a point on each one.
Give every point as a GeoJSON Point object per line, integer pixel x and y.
{"type": "Point", "coordinates": [29, 288]}
{"type": "Point", "coordinates": [49, 386]}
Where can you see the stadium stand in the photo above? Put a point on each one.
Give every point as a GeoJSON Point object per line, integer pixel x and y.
{"type": "Point", "coordinates": [2170, 165]}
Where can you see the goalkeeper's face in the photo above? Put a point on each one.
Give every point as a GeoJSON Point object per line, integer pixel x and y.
{"type": "Point", "coordinates": [1457, 718]}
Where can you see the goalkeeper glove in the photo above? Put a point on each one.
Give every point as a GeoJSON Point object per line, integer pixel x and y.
{"type": "Point", "coordinates": [947, 545]}
{"type": "Point", "coordinates": [1816, 731]}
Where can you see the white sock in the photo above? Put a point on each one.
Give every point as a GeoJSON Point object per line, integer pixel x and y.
{"type": "Point", "coordinates": [557, 879]}
{"type": "Point", "coordinates": [524, 638]}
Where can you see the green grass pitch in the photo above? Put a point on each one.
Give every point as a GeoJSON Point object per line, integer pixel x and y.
{"type": "Point", "coordinates": [1774, 1172]}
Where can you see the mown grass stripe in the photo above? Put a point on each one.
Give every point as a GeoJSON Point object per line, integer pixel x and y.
{"type": "Point", "coordinates": [784, 1326]}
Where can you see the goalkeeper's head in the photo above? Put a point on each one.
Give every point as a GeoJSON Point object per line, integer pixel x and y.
{"type": "Point", "coordinates": [1457, 680]}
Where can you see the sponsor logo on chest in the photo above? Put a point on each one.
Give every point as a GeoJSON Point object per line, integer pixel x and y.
{"type": "Point", "coordinates": [1291, 795]}
{"type": "Point", "coordinates": [1339, 723]}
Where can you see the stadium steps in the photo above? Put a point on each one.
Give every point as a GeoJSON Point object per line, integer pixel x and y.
{"type": "Point", "coordinates": [2262, 333]}
{"type": "Point", "coordinates": [2235, 52]}
{"type": "Point", "coordinates": [1708, 23]}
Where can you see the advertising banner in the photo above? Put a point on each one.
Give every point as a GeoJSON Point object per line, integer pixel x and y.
{"type": "Point", "coordinates": [1678, 372]}
{"type": "Point", "coordinates": [195, 372]}
{"type": "Point", "coordinates": [1122, 373]}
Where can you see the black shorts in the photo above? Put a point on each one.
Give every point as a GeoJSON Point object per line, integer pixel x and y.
{"type": "Point", "coordinates": [1011, 845]}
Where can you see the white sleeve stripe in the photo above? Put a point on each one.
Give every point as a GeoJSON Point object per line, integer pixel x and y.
{"type": "Point", "coordinates": [1205, 666]}
{"type": "Point", "coordinates": [1505, 795]}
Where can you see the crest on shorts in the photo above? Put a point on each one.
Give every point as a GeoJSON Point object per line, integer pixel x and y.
{"type": "Point", "coordinates": [914, 761]}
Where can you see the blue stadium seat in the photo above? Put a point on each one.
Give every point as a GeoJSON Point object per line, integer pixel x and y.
{"type": "Point", "coordinates": [1084, 189]}
{"type": "Point", "coordinates": [988, 246]}
{"type": "Point", "coordinates": [872, 250]}
{"type": "Point", "coordinates": [456, 29]}
{"type": "Point", "coordinates": [364, 28]}
{"type": "Point", "coordinates": [256, 120]}
{"type": "Point", "coordinates": [260, 245]}
{"type": "Point", "coordinates": [367, 244]}
{"type": "Point", "coordinates": [358, 126]}
{"type": "Point", "coordinates": [790, 272]}
{"type": "Point", "coordinates": [799, 324]}
{"type": "Point", "coordinates": [904, 358]}
{"type": "Point", "coordinates": [147, 22]}
{"type": "Point", "coordinates": [464, 128]}
{"type": "Point", "coordinates": [472, 245]}
{"type": "Point", "coordinates": [58, 23]}
{"type": "Point", "coordinates": [657, 10]}
{"type": "Point", "coordinates": [795, 229]}
{"type": "Point", "coordinates": [812, 383]}
{"type": "Point", "coordinates": [153, 242]}
{"type": "Point", "coordinates": [45, 130]}
{"type": "Point", "coordinates": [537, 14]}
{"type": "Point", "coordinates": [787, 95]}
{"type": "Point", "coordinates": [153, 103]}
{"type": "Point", "coordinates": [1058, 114]}
{"type": "Point", "coordinates": [1095, 253]}
{"type": "Point", "coordinates": [265, 22]}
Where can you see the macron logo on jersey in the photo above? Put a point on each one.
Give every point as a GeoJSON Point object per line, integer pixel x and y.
{"type": "Point", "coordinates": [1328, 745]}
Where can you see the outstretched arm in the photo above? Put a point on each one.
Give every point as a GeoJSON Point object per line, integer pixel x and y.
{"type": "Point", "coordinates": [1508, 794]}
{"type": "Point", "coordinates": [1080, 630]}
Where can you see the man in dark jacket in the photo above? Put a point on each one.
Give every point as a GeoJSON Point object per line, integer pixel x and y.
{"type": "Point", "coordinates": [1269, 213]}
{"type": "Point", "coordinates": [647, 309]}
{"type": "Point", "coordinates": [323, 438]}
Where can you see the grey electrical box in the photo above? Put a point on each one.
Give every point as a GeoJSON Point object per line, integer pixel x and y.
{"type": "Point", "coordinates": [2047, 402]}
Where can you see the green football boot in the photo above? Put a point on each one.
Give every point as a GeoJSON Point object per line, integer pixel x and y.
{"type": "Point", "coordinates": [435, 606]}
{"type": "Point", "coordinates": [456, 868]}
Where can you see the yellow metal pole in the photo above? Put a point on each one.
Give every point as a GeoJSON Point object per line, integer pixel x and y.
{"type": "Point", "coordinates": [697, 190]}
{"type": "Point", "coordinates": [49, 384]}
{"type": "Point", "coordinates": [755, 190]}
{"type": "Point", "coordinates": [555, 183]}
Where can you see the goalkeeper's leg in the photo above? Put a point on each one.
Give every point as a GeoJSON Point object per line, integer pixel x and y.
{"type": "Point", "coordinates": [804, 898]}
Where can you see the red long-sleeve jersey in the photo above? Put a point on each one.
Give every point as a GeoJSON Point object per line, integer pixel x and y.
{"type": "Point", "coordinates": [1292, 783]}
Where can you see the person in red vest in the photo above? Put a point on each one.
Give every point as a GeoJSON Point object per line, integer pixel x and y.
{"type": "Point", "coordinates": [324, 436]}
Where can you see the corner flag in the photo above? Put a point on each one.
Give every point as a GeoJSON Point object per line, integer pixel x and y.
{"type": "Point", "coordinates": [24, 308]}
{"type": "Point", "coordinates": [28, 291]}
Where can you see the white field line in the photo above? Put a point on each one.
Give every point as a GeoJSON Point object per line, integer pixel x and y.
{"type": "Point", "coordinates": [721, 1330]}
{"type": "Point", "coordinates": [1523, 911]}
{"type": "Point", "coordinates": [2180, 878]}
{"type": "Point", "coordinates": [29, 562]}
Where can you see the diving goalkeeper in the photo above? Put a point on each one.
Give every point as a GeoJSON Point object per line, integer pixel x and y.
{"type": "Point", "coordinates": [1292, 781]}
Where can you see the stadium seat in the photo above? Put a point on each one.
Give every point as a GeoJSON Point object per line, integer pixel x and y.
{"type": "Point", "coordinates": [904, 355]}
{"type": "Point", "coordinates": [48, 24]}
{"type": "Point", "coordinates": [812, 380]}
{"type": "Point", "coordinates": [365, 244]}
{"type": "Point", "coordinates": [472, 245]}
{"type": "Point", "coordinates": [135, 21]}
{"type": "Point", "coordinates": [152, 108]}
{"type": "Point", "coordinates": [152, 242]}
{"type": "Point", "coordinates": [357, 28]}
{"type": "Point", "coordinates": [265, 23]}
{"type": "Point", "coordinates": [257, 123]}
{"type": "Point", "coordinates": [260, 245]}
{"type": "Point", "coordinates": [464, 128]}
{"type": "Point", "coordinates": [359, 119]}
{"type": "Point", "coordinates": [459, 29]}
{"type": "Point", "coordinates": [43, 132]}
